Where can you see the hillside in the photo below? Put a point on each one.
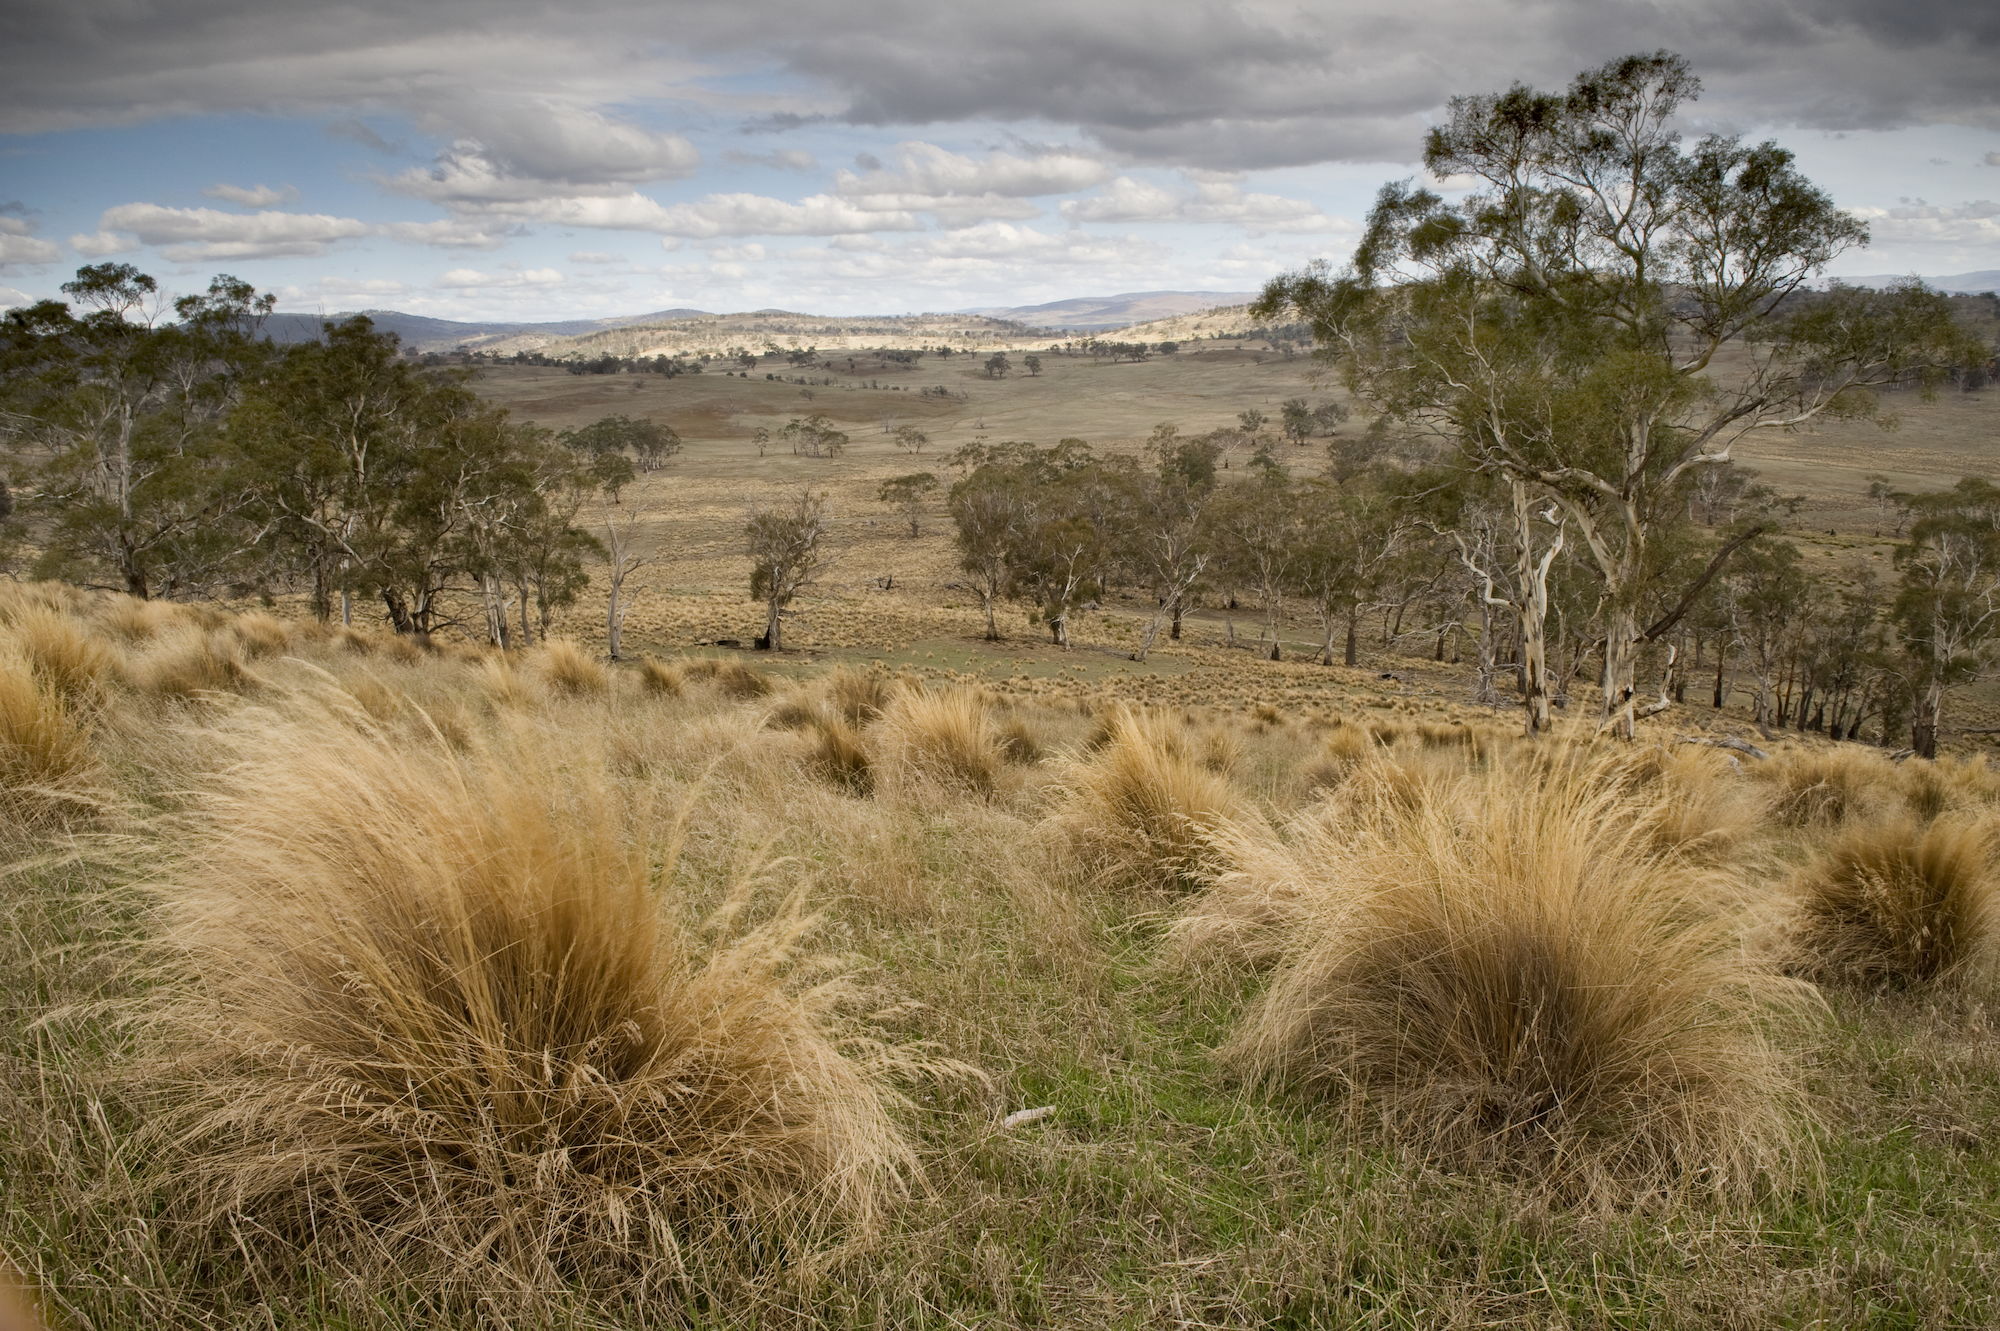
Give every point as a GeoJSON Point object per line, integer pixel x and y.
{"type": "Point", "coordinates": [1103, 313]}
{"type": "Point", "coordinates": [765, 330]}
{"type": "Point", "coordinates": [422, 333]}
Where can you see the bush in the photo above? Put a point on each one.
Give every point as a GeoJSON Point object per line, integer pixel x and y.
{"type": "Point", "coordinates": [1899, 904]}
{"type": "Point", "coordinates": [434, 1028]}
{"type": "Point", "coordinates": [1502, 974]}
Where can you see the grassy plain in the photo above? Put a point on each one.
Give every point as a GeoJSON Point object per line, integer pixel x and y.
{"type": "Point", "coordinates": [352, 985]}
{"type": "Point", "coordinates": [892, 597]}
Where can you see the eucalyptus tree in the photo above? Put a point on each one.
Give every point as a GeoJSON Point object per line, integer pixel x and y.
{"type": "Point", "coordinates": [113, 414]}
{"type": "Point", "coordinates": [1948, 606]}
{"type": "Point", "coordinates": [789, 551]}
{"type": "Point", "coordinates": [1609, 311]}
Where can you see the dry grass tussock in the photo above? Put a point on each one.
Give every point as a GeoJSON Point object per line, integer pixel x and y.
{"type": "Point", "coordinates": [1694, 802]}
{"type": "Point", "coordinates": [570, 671]}
{"type": "Point", "coordinates": [942, 738]}
{"type": "Point", "coordinates": [68, 658]}
{"type": "Point", "coordinates": [1140, 810]}
{"type": "Point", "coordinates": [732, 679]}
{"type": "Point", "coordinates": [190, 662]}
{"type": "Point", "coordinates": [837, 753]}
{"type": "Point", "coordinates": [1505, 974]}
{"type": "Point", "coordinates": [434, 1029]}
{"type": "Point", "coordinates": [1948, 785]}
{"type": "Point", "coordinates": [660, 679]}
{"type": "Point", "coordinates": [1898, 903]}
{"type": "Point", "coordinates": [48, 768]}
{"type": "Point", "coordinates": [1825, 787]}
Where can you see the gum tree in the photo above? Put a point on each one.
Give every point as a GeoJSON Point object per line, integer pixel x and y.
{"type": "Point", "coordinates": [1607, 312]}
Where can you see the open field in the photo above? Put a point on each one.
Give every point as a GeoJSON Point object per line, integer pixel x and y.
{"type": "Point", "coordinates": [893, 594]}
{"type": "Point", "coordinates": [350, 984]}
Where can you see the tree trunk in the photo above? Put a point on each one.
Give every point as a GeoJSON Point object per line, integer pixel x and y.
{"type": "Point", "coordinates": [773, 639]}
{"type": "Point", "coordinates": [1621, 640]}
{"type": "Point", "coordinates": [399, 610]}
{"type": "Point", "coordinates": [1174, 624]}
{"type": "Point", "coordinates": [1929, 719]}
{"type": "Point", "coordinates": [992, 626]}
{"type": "Point", "coordinates": [1351, 649]}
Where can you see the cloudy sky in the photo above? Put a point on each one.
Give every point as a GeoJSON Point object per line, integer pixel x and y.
{"type": "Point", "coordinates": [499, 159]}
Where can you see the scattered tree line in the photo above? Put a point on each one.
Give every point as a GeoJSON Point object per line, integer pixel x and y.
{"type": "Point", "coordinates": [171, 450]}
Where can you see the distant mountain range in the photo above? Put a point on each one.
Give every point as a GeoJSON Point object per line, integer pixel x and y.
{"type": "Point", "coordinates": [1961, 284]}
{"type": "Point", "coordinates": [1082, 314]}
{"type": "Point", "coordinates": [1097, 313]}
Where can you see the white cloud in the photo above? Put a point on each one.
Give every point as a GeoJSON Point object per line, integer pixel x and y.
{"type": "Point", "coordinates": [926, 169]}
{"type": "Point", "coordinates": [515, 152]}
{"type": "Point", "coordinates": [11, 297]}
{"type": "Point", "coordinates": [459, 279]}
{"type": "Point", "coordinates": [195, 234]}
{"type": "Point", "coordinates": [102, 244]}
{"type": "Point", "coordinates": [446, 233]}
{"type": "Point", "coordinates": [1129, 200]}
{"type": "Point", "coordinates": [252, 196]}
{"type": "Point", "coordinates": [17, 246]}
{"type": "Point", "coordinates": [1993, 159]}
{"type": "Point", "coordinates": [593, 256]}
{"type": "Point", "coordinates": [1967, 233]}
{"type": "Point", "coordinates": [717, 216]}
{"type": "Point", "coordinates": [341, 291]}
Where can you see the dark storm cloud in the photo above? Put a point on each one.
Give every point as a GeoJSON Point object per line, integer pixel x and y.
{"type": "Point", "coordinates": [1220, 85]}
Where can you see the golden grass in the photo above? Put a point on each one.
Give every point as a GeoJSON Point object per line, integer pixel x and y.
{"type": "Point", "coordinates": [1824, 787]}
{"type": "Point", "coordinates": [1898, 903]}
{"type": "Point", "coordinates": [434, 1028]}
{"type": "Point", "coordinates": [261, 634]}
{"type": "Point", "coordinates": [942, 738]}
{"type": "Point", "coordinates": [504, 686]}
{"type": "Point", "coordinates": [1504, 974]}
{"type": "Point", "coordinates": [1141, 809]}
{"type": "Point", "coordinates": [837, 753]}
{"type": "Point", "coordinates": [190, 662]}
{"type": "Point", "coordinates": [48, 769]}
{"type": "Point", "coordinates": [732, 679]}
{"type": "Point", "coordinates": [858, 695]}
{"type": "Point", "coordinates": [661, 680]}
{"type": "Point", "coordinates": [570, 671]}
{"type": "Point", "coordinates": [64, 653]}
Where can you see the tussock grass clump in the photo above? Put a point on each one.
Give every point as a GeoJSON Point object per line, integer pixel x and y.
{"type": "Point", "coordinates": [732, 679]}
{"type": "Point", "coordinates": [1932, 788]}
{"type": "Point", "coordinates": [47, 764]}
{"type": "Point", "coordinates": [504, 686]}
{"type": "Point", "coordinates": [192, 662]}
{"type": "Point", "coordinates": [836, 753]}
{"type": "Point", "coordinates": [134, 620]}
{"type": "Point", "coordinates": [1693, 801]}
{"type": "Point", "coordinates": [64, 654]}
{"type": "Point", "coordinates": [1502, 974]}
{"type": "Point", "coordinates": [261, 634]}
{"type": "Point", "coordinates": [1898, 903]}
{"type": "Point", "coordinates": [1825, 787]}
{"type": "Point", "coordinates": [795, 711]}
{"type": "Point", "coordinates": [1020, 742]}
{"type": "Point", "coordinates": [432, 1028]}
{"type": "Point", "coordinates": [1140, 810]}
{"type": "Point", "coordinates": [570, 671]}
{"type": "Point", "coordinates": [944, 737]}
{"type": "Point", "coordinates": [858, 695]}
{"type": "Point", "coordinates": [660, 679]}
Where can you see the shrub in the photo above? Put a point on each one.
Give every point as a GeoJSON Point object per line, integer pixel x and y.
{"type": "Point", "coordinates": [1503, 974]}
{"type": "Point", "coordinates": [1140, 809]}
{"type": "Point", "coordinates": [1898, 903]}
{"type": "Point", "coordinates": [433, 1028]}
{"type": "Point", "coordinates": [570, 671]}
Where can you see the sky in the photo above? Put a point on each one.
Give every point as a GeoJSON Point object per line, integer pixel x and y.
{"type": "Point", "coordinates": [500, 160]}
